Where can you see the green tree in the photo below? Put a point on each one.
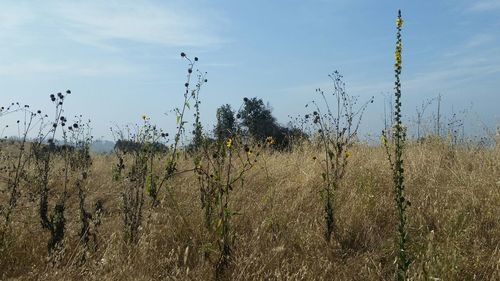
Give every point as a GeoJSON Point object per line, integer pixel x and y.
{"type": "Point", "coordinates": [258, 119]}
{"type": "Point", "coordinates": [226, 123]}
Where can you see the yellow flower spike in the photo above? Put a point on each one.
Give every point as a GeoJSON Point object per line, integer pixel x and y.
{"type": "Point", "coordinates": [399, 22]}
{"type": "Point", "coordinates": [229, 143]}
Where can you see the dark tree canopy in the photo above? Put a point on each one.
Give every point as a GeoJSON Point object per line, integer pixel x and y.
{"type": "Point", "coordinates": [257, 118]}
{"type": "Point", "coordinates": [226, 123]}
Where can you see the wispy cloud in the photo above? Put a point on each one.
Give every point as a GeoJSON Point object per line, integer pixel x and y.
{"type": "Point", "coordinates": [164, 23]}
{"type": "Point", "coordinates": [84, 69]}
{"type": "Point", "coordinates": [142, 22]}
{"type": "Point", "coordinates": [13, 19]}
{"type": "Point", "coordinates": [55, 36]}
{"type": "Point", "coordinates": [479, 40]}
{"type": "Point", "coordinates": [485, 5]}
{"type": "Point", "coordinates": [459, 68]}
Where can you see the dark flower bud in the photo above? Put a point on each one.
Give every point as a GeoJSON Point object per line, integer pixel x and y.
{"type": "Point", "coordinates": [195, 58]}
{"type": "Point", "coordinates": [183, 54]}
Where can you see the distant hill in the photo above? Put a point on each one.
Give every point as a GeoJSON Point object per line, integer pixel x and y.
{"type": "Point", "coordinates": [102, 146]}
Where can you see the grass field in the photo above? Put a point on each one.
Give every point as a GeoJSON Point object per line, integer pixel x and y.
{"type": "Point", "coordinates": [453, 223]}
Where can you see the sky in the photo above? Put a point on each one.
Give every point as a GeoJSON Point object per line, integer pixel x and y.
{"type": "Point", "coordinates": [121, 59]}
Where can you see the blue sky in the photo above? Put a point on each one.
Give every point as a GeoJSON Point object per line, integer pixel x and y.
{"type": "Point", "coordinates": [121, 58]}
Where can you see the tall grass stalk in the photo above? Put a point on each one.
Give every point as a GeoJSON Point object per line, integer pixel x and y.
{"type": "Point", "coordinates": [398, 139]}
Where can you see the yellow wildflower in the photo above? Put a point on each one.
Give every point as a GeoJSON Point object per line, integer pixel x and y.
{"type": "Point", "coordinates": [347, 154]}
{"type": "Point", "coordinates": [399, 22]}
{"type": "Point", "coordinates": [269, 140]}
{"type": "Point", "coordinates": [229, 143]}
{"type": "Point", "coordinates": [383, 139]}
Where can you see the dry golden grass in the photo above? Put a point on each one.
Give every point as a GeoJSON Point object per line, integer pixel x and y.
{"type": "Point", "coordinates": [454, 223]}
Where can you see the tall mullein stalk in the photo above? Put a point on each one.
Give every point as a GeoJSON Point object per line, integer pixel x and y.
{"type": "Point", "coordinates": [399, 135]}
